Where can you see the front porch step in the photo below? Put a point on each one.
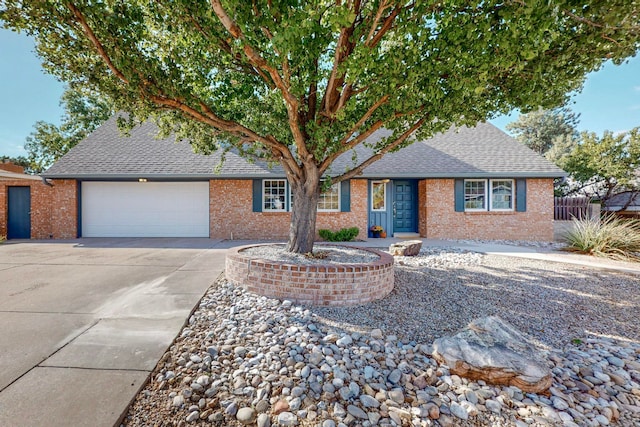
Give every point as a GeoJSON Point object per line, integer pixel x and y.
{"type": "Point", "coordinates": [406, 235]}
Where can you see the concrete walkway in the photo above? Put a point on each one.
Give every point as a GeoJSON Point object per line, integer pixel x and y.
{"type": "Point", "coordinates": [84, 322]}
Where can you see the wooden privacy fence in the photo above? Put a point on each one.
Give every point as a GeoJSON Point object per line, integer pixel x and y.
{"type": "Point", "coordinates": [568, 208]}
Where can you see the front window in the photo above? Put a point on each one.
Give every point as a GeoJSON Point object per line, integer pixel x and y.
{"type": "Point", "coordinates": [330, 200]}
{"type": "Point", "coordinates": [378, 196]}
{"type": "Point", "coordinates": [274, 195]}
{"type": "Point", "coordinates": [501, 195]}
{"type": "Point", "coordinates": [475, 195]}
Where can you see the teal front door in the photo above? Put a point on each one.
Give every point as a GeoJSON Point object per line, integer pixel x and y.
{"type": "Point", "coordinates": [405, 203]}
{"type": "Point", "coordinates": [19, 216]}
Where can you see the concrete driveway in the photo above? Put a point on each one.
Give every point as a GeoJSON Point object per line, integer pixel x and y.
{"type": "Point", "coordinates": [83, 322]}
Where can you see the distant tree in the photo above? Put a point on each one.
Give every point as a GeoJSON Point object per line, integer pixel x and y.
{"type": "Point", "coordinates": [300, 83]}
{"type": "Point", "coordinates": [84, 111]}
{"type": "Point", "coordinates": [541, 129]}
{"type": "Point", "coordinates": [19, 161]}
{"type": "Point", "coordinates": [602, 166]}
{"type": "Point", "coordinates": [561, 148]}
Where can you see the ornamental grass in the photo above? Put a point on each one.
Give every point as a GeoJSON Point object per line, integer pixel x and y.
{"type": "Point", "coordinates": [611, 237]}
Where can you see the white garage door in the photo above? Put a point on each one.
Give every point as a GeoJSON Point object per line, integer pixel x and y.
{"type": "Point", "coordinates": [145, 209]}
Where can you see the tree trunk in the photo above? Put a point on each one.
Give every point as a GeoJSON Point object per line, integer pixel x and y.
{"type": "Point", "coordinates": [302, 230]}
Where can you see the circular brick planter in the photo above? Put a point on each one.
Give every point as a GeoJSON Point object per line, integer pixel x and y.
{"type": "Point", "coordinates": [317, 284]}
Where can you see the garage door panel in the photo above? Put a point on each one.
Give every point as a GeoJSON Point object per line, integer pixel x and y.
{"type": "Point", "coordinates": [145, 209]}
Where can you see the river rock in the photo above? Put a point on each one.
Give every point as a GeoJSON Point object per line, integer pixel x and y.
{"type": "Point", "coordinates": [491, 350]}
{"type": "Point", "coordinates": [287, 419]}
{"type": "Point", "coordinates": [369, 401]}
{"type": "Point", "coordinates": [406, 248]}
{"type": "Point", "coordinates": [246, 415]}
{"type": "Point", "coordinates": [280, 406]}
{"type": "Point", "coordinates": [263, 420]}
{"type": "Point", "coordinates": [357, 412]}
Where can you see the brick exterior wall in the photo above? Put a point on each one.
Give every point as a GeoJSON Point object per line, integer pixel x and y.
{"type": "Point", "coordinates": [335, 285]}
{"type": "Point", "coordinates": [53, 208]}
{"type": "Point", "coordinates": [64, 209]}
{"type": "Point", "coordinates": [231, 213]}
{"type": "Point", "coordinates": [55, 212]}
{"type": "Point", "coordinates": [438, 219]}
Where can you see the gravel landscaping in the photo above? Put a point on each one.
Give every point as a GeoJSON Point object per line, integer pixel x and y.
{"type": "Point", "coordinates": [322, 254]}
{"type": "Point", "coordinates": [250, 360]}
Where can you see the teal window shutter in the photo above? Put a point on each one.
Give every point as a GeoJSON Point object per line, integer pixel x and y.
{"type": "Point", "coordinates": [257, 195]}
{"type": "Point", "coordinates": [459, 195]}
{"type": "Point", "coordinates": [345, 196]}
{"type": "Point", "coordinates": [521, 195]}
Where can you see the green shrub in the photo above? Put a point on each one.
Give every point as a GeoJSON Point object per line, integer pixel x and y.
{"type": "Point", "coordinates": [610, 237]}
{"type": "Point", "coordinates": [2, 238]}
{"type": "Point", "coordinates": [344, 235]}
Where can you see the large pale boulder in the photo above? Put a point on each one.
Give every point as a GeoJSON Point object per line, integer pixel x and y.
{"type": "Point", "coordinates": [490, 349]}
{"type": "Point", "coordinates": [406, 248]}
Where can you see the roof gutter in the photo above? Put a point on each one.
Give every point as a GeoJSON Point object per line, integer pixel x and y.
{"type": "Point", "coordinates": [378, 175]}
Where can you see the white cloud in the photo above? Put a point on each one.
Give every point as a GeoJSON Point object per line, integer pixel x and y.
{"type": "Point", "coordinates": [8, 147]}
{"type": "Point", "coordinates": [636, 88]}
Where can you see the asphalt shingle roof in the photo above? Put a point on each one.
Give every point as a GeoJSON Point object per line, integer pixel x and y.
{"type": "Point", "coordinates": [482, 151]}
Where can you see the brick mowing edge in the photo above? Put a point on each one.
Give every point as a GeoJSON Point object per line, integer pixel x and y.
{"type": "Point", "coordinates": [317, 284]}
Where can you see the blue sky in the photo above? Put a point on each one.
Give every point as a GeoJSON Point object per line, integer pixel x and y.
{"type": "Point", "coordinates": [610, 99]}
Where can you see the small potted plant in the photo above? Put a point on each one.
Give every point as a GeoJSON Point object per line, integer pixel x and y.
{"type": "Point", "coordinates": [376, 230]}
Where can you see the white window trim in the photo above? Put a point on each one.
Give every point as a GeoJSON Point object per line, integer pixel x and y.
{"type": "Point", "coordinates": [490, 189]}
{"type": "Point", "coordinates": [485, 208]}
{"type": "Point", "coordinates": [284, 205]}
{"type": "Point", "coordinates": [384, 208]}
{"type": "Point", "coordinates": [339, 199]}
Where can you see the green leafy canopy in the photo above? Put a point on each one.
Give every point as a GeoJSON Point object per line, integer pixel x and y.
{"type": "Point", "coordinates": [542, 129]}
{"type": "Point", "coordinates": [603, 166]}
{"type": "Point", "coordinates": [296, 79]}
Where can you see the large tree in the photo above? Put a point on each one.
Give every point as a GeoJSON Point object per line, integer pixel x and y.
{"type": "Point", "coordinates": [603, 166]}
{"type": "Point", "coordinates": [302, 82]}
{"type": "Point", "coordinates": [541, 129]}
{"type": "Point", "coordinates": [84, 111]}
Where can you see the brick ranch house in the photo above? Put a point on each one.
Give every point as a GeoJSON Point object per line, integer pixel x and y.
{"type": "Point", "coordinates": [465, 184]}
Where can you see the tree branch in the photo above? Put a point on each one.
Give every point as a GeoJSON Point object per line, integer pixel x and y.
{"type": "Point", "coordinates": [222, 44]}
{"type": "Point", "coordinates": [99, 47]}
{"type": "Point", "coordinates": [259, 62]}
{"type": "Point", "coordinates": [381, 8]}
{"type": "Point", "coordinates": [344, 48]}
{"type": "Point", "coordinates": [208, 117]}
{"type": "Point", "coordinates": [364, 118]}
{"type": "Point", "coordinates": [386, 26]}
{"type": "Point", "coordinates": [358, 169]}
{"type": "Point", "coordinates": [351, 144]}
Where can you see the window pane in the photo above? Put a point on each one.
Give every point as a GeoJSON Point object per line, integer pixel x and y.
{"type": "Point", "coordinates": [474, 195]}
{"type": "Point", "coordinates": [378, 202]}
{"type": "Point", "coordinates": [501, 194]}
{"type": "Point", "coordinates": [330, 199]}
{"type": "Point", "coordinates": [274, 195]}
